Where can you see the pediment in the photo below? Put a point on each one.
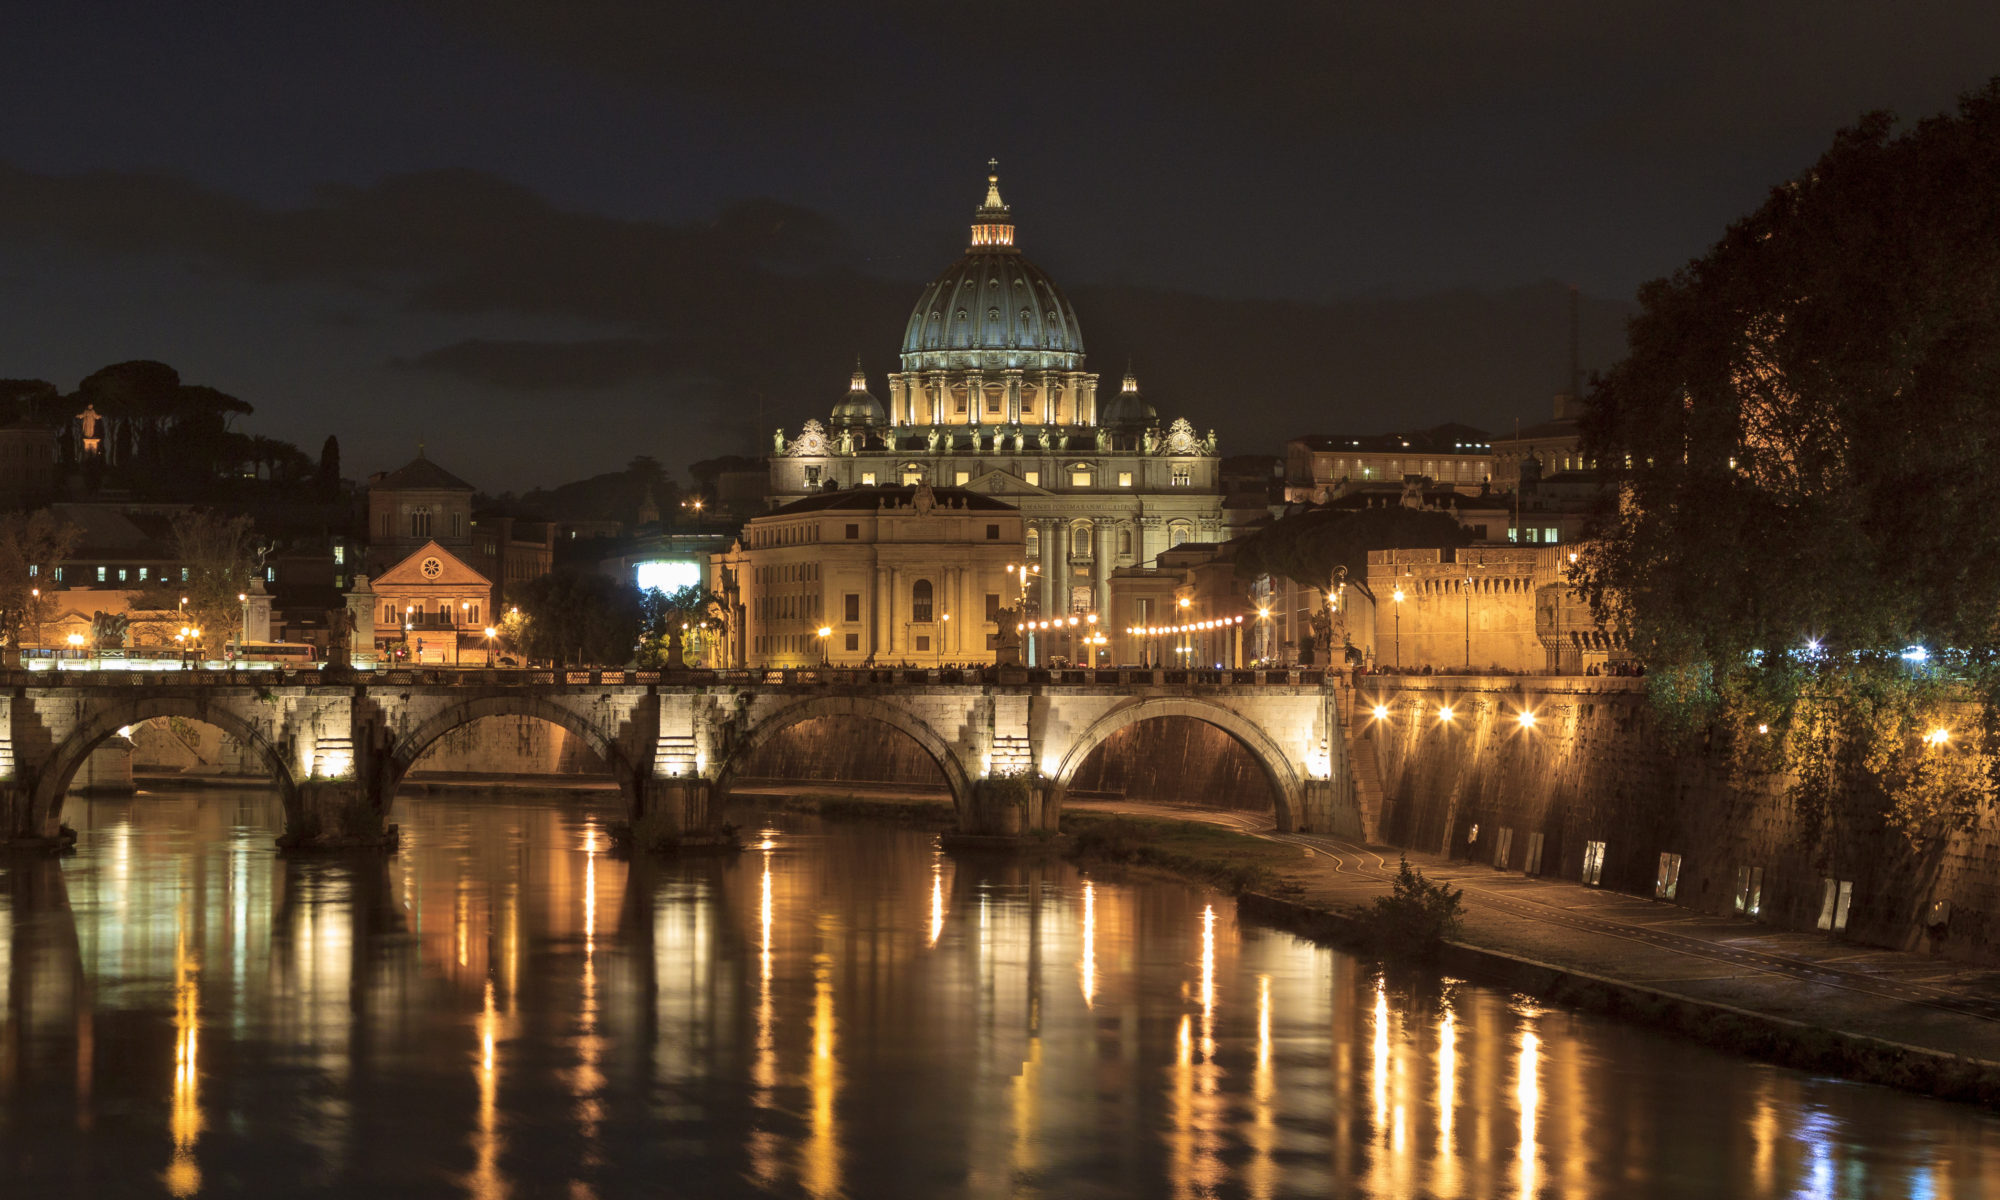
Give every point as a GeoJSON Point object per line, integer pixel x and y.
{"type": "Point", "coordinates": [450, 571]}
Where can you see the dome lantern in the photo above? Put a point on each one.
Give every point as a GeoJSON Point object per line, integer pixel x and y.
{"type": "Point", "coordinates": [1128, 409]}
{"type": "Point", "coordinates": [859, 409]}
{"type": "Point", "coordinates": [993, 224]}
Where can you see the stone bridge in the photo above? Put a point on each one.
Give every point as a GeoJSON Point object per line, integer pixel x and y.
{"type": "Point", "coordinates": [1007, 741]}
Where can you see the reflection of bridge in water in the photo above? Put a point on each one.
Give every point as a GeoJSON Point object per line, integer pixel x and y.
{"type": "Point", "coordinates": [1007, 742]}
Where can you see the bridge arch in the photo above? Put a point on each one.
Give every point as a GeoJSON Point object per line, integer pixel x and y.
{"type": "Point", "coordinates": [892, 715]}
{"type": "Point", "coordinates": [105, 718]}
{"type": "Point", "coordinates": [407, 749]}
{"type": "Point", "coordinates": [1278, 769]}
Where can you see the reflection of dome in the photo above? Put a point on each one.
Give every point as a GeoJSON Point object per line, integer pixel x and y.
{"type": "Point", "coordinates": [993, 309]}
{"type": "Point", "coordinates": [859, 409]}
{"type": "Point", "coordinates": [1128, 409]}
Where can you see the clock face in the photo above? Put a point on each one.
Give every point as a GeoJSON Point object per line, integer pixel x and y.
{"type": "Point", "coordinates": [431, 567]}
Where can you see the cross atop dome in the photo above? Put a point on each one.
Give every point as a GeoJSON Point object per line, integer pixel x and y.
{"type": "Point", "coordinates": [993, 224]}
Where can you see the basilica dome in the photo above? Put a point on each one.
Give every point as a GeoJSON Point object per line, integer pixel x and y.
{"type": "Point", "coordinates": [859, 409]}
{"type": "Point", "coordinates": [1129, 409]}
{"type": "Point", "coordinates": [993, 310]}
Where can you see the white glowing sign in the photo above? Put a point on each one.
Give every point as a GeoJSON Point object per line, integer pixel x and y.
{"type": "Point", "coordinates": [668, 575]}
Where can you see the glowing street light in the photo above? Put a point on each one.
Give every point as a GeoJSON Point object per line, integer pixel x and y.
{"type": "Point", "coordinates": [1381, 712]}
{"type": "Point", "coordinates": [1444, 712]}
{"type": "Point", "coordinates": [1527, 719]}
{"type": "Point", "coordinates": [825, 632]}
{"type": "Point", "coordinates": [1938, 736]}
{"type": "Point", "coordinates": [1397, 596]}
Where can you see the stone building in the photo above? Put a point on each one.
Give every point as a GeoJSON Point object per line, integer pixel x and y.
{"type": "Point", "coordinates": [994, 396]}
{"type": "Point", "coordinates": [1548, 448]}
{"type": "Point", "coordinates": [431, 607]}
{"type": "Point", "coordinates": [896, 574]}
{"type": "Point", "coordinates": [1480, 608]}
{"type": "Point", "coordinates": [417, 504]}
{"type": "Point", "coordinates": [1322, 467]}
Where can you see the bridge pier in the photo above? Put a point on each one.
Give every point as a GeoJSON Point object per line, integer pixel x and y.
{"type": "Point", "coordinates": [677, 813]}
{"type": "Point", "coordinates": [1007, 806]}
{"type": "Point", "coordinates": [337, 814]}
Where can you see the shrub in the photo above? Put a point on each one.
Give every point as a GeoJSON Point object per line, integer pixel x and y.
{"type": "Point", "coordinates": [1417, 916]}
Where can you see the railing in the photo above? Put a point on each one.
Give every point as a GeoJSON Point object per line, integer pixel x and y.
{"type": "Point", "coordinates": [286, 676]}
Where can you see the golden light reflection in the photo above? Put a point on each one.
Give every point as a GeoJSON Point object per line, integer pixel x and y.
{"type": "Point", "coordinates": [1088, 966]}
{"type": "Point", "coordinates": [587, 1080]}
{"type": "Point", "coordinates": [185, 1124]}
{"type": "Point", "coordinates": [763, 1143]}
{"type": "Point", "coordinates": [1261, 1176]}
{"type": "Point", "coordinates": [1447, 1102]}
{"type": "Point", "coordinates": [1381, 1071]}
{"type": "Point", "coordinates": [937, 899]}
{"type": "Point", "coordinates": [486, 1182]}
{"type": "Point", "coordinates": [1195, 1165]}
{"type": "Point", "coordinates": [820, 1156]}
{"type": "Point", "coordinates": [1528, 1094]}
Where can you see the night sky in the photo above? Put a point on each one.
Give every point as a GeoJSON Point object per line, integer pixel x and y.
{"type": "Point", "coordinates": [543, 238]}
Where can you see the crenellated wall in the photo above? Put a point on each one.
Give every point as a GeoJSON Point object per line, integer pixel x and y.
{"type": "Point", "coordinates": [1593, 768]}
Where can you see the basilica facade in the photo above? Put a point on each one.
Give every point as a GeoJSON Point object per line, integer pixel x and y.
{"type": "Point", "coordinates": [994, 397]}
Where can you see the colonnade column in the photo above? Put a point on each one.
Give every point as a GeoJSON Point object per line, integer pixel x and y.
{"type": "Point", "coordinates": [878, 646]}
{"type": "Point", "coordinates": [1060, 577]}
{"type": "Point", "coordinates": [975, 398]}
{"type": "Point", "coordinates": [1106, 529]}
{"type": "Point", "coordinates": [1013, 401]}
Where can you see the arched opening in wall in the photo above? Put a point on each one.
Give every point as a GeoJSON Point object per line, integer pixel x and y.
{"type": "Point", "coordinates": [505, 777]}
{"type": "Point", "coordinates": [508, 752]}
{"type": "Point", "coordinates": [839, 754]}
{"type": "Point", "coordinates": [1174, 760]}
{"type": "Point", "coordinates": [141, 772]}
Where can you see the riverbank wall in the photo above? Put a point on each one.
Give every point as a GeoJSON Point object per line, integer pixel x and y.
{"type": "Point", "coordinates": [1594, 791]}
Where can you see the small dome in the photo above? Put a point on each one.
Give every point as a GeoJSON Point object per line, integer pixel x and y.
{"type": "Point", "coordinates": [1128, 409]}
{"type": "Point", "coordinates": [993, 309]}
{"type": "Point", "coordinates": [859, 409]}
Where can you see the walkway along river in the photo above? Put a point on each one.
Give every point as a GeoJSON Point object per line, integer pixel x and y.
{"type": "Point", "coordinates": [504, 1009]}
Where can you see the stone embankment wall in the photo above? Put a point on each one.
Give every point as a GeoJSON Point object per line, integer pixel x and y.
{"type": "Point", "coordinates": [1595, 768]}
{"type": "Point", "coordinates": [1168, 760]}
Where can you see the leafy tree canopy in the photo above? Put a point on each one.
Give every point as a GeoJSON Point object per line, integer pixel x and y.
{"type": "Point", "coordinates": [669, 619]}
{"type": "Point", "coordinates": [580, 616]}
{"type": "Point", "coordinates": [1798, 440]}
{"type": "Point", "coordinates": [1306, 547]}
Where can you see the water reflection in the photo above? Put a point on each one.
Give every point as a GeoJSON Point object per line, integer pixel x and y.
{"type": "Point", "coordinates": [506, 1010]}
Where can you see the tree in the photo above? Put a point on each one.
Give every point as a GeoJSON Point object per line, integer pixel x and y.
{"type": "Point", "coordinates": [669, 617]}
{"type": "Point", "coordinates": [580, 616]}
{"type": "Point", "coordinates": [216, 557]}
{"type": "Point", "coordinates": [1798, 441]}
{"type": "Point", "coordinates": [1309, 546]}
{"type": "Point", "coordinates": [32, 547]}
{"type": "Point", "coordinates": [329, 468]}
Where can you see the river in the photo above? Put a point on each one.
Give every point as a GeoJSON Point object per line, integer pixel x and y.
{"type": "Point", "coordinates": [504, 1009]}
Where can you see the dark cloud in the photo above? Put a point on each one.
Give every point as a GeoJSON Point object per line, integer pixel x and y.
{"type": "Point", "coordinates": [762, 301]}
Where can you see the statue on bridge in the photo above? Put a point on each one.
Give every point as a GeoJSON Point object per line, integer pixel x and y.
{"type": "Point", "coordinates": [108, 631]}
{"type": "Point", "coordinates": [339, 637]}
{"type": "Point", "coordinates": [1007, 642]}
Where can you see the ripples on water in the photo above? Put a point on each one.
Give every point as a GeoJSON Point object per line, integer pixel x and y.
{"type": "Point", "coordinates": [505, 1010]}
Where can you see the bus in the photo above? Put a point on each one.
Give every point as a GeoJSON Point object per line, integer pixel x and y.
{"type": "Point", "coordinates": [289, 654]}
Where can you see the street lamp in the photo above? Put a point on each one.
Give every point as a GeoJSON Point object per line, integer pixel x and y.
{"type": "Point", "coordinates": [1397, 596]}
{"type": "Point", "coordinates": [825, 632]}
{"type": "Point", "coordinates": [490, 632]}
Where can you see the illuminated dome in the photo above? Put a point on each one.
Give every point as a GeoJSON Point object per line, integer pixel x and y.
{"type": "Point", "coordinates": [993, 309]}
{"type": "Point", "coordinates": [1128, 409]}
{"type": "Point", "coordinates": [859, 409]}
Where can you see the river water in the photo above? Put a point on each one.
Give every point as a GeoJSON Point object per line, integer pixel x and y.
{"type": "Point", "coordinates": [503, 1009]}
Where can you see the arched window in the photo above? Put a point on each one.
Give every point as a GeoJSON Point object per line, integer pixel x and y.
{"type": "Point", "coordinates": [1179, 532]}
{"type": "Point", "coordinates": [920, 602]}
{"type": "Point", "coordinates": [1125, 541]}
{"type": "Point", "coordinates": [1034, 544]}
{"type": "Point", "coordinates": [1082, 541]}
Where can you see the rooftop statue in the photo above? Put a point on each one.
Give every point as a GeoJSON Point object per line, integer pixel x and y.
{"type": "Point", "coordinates": [778, 442]}
{"type": "Point", "coordinates": [931, 441]}
{"type": "Point", "coordinates": [1042, 437]}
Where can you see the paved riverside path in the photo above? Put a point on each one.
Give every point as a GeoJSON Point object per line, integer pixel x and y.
{"type": "Point", "coordinates": [1930, 1003]}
